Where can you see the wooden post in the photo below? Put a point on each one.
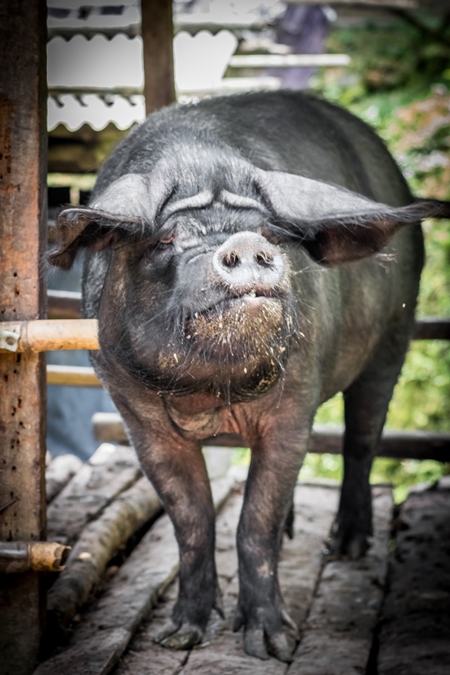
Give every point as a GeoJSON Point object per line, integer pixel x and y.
{"type": "Point", "coordinates": [23, 142]}
{"type": "Point", "coordinates": [157, 37]}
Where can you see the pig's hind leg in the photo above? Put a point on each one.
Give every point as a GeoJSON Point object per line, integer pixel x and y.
{"type": "Point", "coordinates": [366, 405]}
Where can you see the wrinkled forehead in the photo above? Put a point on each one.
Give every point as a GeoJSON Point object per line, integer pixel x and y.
{"type": "Point", "coordinates": [198, 218]}
{"type": "Point", "coordinates": [212, 192]}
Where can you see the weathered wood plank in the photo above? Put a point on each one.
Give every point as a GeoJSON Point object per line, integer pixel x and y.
{"type": "Point", "coordinates": [299, 568]}
{"type": "Point", "coordinates": [23, 143]}
{"type": "Point", "coordinates": [110, 471]}
{"type": "Point", "coordinates": [221, 651]}
{"type": "Point", "coordinates": [59, 472]}
{"type": "Point", "coordinates": [107, 628]}
{"type": "Point", "coordinates": [415, 633]}
{"type": "Point", "coordinates": [337, 636]}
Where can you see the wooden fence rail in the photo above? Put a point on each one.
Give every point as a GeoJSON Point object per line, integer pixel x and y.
{"type": "Point", "coordinates": [109, 428]}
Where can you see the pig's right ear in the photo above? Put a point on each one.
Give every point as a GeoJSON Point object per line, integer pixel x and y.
{"type": "Point", "coordinates": [128, 206]}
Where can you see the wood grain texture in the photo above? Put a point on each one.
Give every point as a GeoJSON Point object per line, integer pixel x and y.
{"type": "Point", "coordinates": [23, 142]}
{"type": "Point", "coordinates": [157, 36]}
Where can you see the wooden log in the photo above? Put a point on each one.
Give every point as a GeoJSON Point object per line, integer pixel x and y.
{"type": "Point", "coordinates": [41, 336]}
{"type": "Point", "coordinates": [23, 144]}
{"type": "Point", "coordinates": [59, 472]}
{"type": "Point", "coordinates": [394, 444]}
{"type": "Point", "coordinates": [73, 376]}
{"type": "Point", "coordinates": [157, 38]}
{"type": "Point", "coordinates": [110, 471]}
{"type": "Point", "coordinates": [338, 633]}
{"type": "Point", "coordinates": [97, 544]}
{"type": "Point", "coordinates": [39, 556]}
{"type": "Point", "coordinates": [108, 626]}
{"type": "Point", "coordinates": [63, 305]}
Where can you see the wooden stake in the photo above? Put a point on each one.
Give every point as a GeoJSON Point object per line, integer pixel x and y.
{"type": "Point", "coordinates": [23, 241]}
{"type": "Point", "coordinates": [157, 36]}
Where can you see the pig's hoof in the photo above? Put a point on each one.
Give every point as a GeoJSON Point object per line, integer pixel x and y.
{"type": "Point", "coordinates": [262, 643]}
{"type": "Point", "coordinates": [178, 636]}
{"type": "Point", "coordinates": [342, 545]}
{"type": "Point", "coordinates": [258, 643]}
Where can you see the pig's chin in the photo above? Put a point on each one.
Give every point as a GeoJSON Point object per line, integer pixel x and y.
{"type": "Point", "coordinates": [238, 329]}
{"type": "Point", "coordinates": [235, 351]}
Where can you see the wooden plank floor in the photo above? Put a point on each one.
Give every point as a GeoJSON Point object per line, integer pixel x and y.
{"type": "Point", "coordinates": [386, 614]}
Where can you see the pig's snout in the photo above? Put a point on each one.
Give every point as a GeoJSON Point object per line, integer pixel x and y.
{"type": "Point", "coordinates": [247, 261]}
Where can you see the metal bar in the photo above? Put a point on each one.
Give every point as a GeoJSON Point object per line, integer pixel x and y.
{"type": "Point", "coordinates": [40, 556]}
{"type": "Point", "coordinates": [48, 335]}
{"type": "Point", "coordinates": [23, 195]}
{"type": "Point", "coordinates": [63, 334]}
{"type": "Point", "coordinates": [157, 37]}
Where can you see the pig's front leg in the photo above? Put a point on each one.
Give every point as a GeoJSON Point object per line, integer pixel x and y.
{"type": "Point", "coordinates": [268, 498]}
{"type": "Point", "coordinates": [177, 470]}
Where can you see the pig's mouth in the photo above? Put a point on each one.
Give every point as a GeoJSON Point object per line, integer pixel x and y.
{"type": "Point", "coordinates": [241, 327]}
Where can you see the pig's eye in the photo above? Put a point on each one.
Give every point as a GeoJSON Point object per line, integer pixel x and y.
{"type": "Point", "coordinates": [158, 247]}
{"type": "Point", "coordinates": [168, 239]}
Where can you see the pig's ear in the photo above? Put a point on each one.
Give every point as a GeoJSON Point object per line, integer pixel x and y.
{"type": "Point", "coordinates": [335, 225]}
{"type": "Point", "coordinates": [128, 205]}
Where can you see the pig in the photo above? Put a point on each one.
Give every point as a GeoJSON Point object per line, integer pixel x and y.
{"type": "Point", "coordinates": [248, 257]}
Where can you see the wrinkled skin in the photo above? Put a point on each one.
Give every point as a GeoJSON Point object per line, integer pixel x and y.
{"type": "Point", "coordinates": [237, 287]}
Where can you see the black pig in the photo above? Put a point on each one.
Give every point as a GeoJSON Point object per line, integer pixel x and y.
{"type": "Point", "coordinates": [233, 261]}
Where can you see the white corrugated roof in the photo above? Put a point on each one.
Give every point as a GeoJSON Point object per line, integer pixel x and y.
{"type": "Point", "coordinates": [200, 63]}
{"type": "Point", "coordinates": [80, 63]}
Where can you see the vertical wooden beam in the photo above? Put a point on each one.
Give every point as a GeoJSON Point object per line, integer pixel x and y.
{"type": "Point", "coordinates": [157, 36]}
{"type": "Point", "coordinates": [23, 142]}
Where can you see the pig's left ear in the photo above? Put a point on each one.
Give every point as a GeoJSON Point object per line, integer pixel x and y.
{"type": "Point", "coordinates": [335, 225]}
{"type": "Point", "coordinates": [127, 206]}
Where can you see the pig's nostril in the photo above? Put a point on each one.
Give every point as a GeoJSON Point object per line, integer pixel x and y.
{"type": "Point", "coordinates": [264, 258]}
{"type": "Point", "coordinates": [230, 259]}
